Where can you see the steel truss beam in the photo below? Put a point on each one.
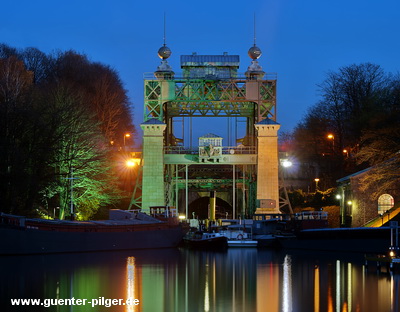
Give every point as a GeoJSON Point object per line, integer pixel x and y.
{"type": "Point", "coordinates": [212, 98]}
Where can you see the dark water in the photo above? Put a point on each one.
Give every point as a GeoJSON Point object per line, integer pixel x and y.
{"type": "Point", "coordinates": [182, 280]}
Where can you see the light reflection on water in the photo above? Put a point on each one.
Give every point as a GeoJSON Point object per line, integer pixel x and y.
{"type": "Point", "coordinates": [185, 280]}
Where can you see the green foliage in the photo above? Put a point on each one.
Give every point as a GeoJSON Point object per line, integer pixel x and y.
{"type": "Point", "coordinates": [300, 199]}
{"type": "Point", "coordinates": [58, 115]}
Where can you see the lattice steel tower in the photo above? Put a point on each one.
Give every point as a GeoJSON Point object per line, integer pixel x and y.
{"type": "Point", "coordinates": [244, 175]}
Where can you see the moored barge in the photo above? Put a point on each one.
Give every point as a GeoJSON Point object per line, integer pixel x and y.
{"type": "Point", "coordinates": [129, 230]}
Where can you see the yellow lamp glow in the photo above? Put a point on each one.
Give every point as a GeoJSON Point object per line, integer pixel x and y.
{"type": "Point", "coordinates": [133, 162]}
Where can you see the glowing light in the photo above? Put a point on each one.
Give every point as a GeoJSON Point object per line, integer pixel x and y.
{"type": "Point", "coordinates": [132, 162]}
{"type": "Point", "coordinates": [349, 202]}
{"type": "Point", "coordinates": [330, 136]}
{"type": "Point", "coordinates": [126, 135]}
{"type": "Point", "coordinates": [182, 217]}
{"type": "Point", "coordinates": [316, 180]}
{"type": "Point", "coordinates": [338, 196]}
{"type": "Point", "coordinates": [286, 163]}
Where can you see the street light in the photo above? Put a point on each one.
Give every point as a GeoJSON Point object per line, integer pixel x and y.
{"type": "Point", "coordinates": [316, 184]}
{"type": "Point", "coordinates": [130, 163]}
{"type": "Point", "coordinates": [330, 136]}
{"type": "Point", "coordinates": [286, 163]}
{"type": "Point", "coordinates": [126, 135]}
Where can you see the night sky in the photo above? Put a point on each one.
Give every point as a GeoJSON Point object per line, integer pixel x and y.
{"type": "Point", "coordinates": [301, 40]}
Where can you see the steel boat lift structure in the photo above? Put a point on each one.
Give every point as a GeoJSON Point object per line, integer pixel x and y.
{"type": "Point", "coordinates": [245, 173]}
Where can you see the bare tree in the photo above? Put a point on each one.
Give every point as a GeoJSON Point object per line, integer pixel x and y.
{"type": "Point", "coordinates": [354, 99]}
{"type": "Point", "coordinates": [37, 62]}
{"type": "Point", "coordinates": [57, 115]}
{"type": "Point", "coordinates": [381, 149]}
{"type": "Point", "coordinates": [352, 96]}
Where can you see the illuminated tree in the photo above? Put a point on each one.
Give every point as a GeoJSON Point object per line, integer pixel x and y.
{"type": "Point", "coordinates": [79, 156]}
{"type": "Point", "coordinates": [57, 115]}
{"type": "Point", "coordinates": [101, 90]}
{"type": "Point", "coordinates": [381, 149]}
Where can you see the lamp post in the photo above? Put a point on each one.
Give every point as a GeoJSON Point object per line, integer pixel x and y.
{"type": "Point", "coordinates": [72, 178]}
{"type": "Point", "coordinates": [285, 163]}
{"type": "Point", "coordinates": [54, 212]}
{"type": "Point", "coordinates": [316, 184]}
{"type": "Point", "coordinates": [126, 135]}
{"type": "Point", "coordinates": [330, 136]}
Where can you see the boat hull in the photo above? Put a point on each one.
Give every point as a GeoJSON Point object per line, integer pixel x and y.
{"type": "Point", "coordinates": [267, 241]}
{"type": "Point", "coordinates": [211, 243]}
{"type": "Point", "coordinates": [365, 240]}
{"type": "Point", "coordinates": [242, 243]}
{"type": "Point", "coordinates": [16, 241]}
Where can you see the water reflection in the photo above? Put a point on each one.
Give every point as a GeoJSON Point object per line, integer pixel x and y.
{"type": "Point", "coordinates": [185, 280]}
{"type": "Point", "coordinates": [133, 284]}
{"type": "Point", "coordinates": [287, 285]}
{"type": "Point", "coordinates": [316, 289]}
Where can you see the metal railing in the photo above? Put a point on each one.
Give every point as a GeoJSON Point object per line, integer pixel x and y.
{"type": "Point", "coordinates": [232, 150]}
{"type": "Point", "coordinates": [311, 215]}
{"type": "Point", "coordinates": [179, 76]}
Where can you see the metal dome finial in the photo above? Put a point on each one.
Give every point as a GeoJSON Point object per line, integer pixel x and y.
{"type": "Point", "coordinates": [164, 52]}
{"type": "Point", "coordinates": [164, 29]}
{"type": "Point", "coordinates": [254, 28]}
{"type": "Point", "coordinates": [254, 52]}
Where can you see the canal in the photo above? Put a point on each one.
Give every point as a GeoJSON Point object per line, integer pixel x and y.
{"type": "Point", "coordinates": [244, 280]}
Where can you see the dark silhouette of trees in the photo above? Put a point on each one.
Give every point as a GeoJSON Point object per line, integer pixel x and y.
{"type": "Point", "coordinates": [352, 98]}
{"type": "Point", "coordinates": [15, 87]}
{"type": "Point", "coordinates": [58, 115]}
{"type": "Point", "coordinates": [380, 147]}
{"type": "Point", "coordinates": [357, 101]}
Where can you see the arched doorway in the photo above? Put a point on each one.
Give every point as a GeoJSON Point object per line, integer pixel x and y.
{"type": "Point", "coordinates": [385, 202]}
{"type": "Point", "coordinates": [200, 208]}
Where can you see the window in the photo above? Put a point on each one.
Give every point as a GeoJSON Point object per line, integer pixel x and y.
{"type": "Point", "coordinates": [385, 202]}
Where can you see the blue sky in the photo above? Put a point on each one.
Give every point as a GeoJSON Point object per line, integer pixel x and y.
{"type": "Point", "coordinates": [301, 40]}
